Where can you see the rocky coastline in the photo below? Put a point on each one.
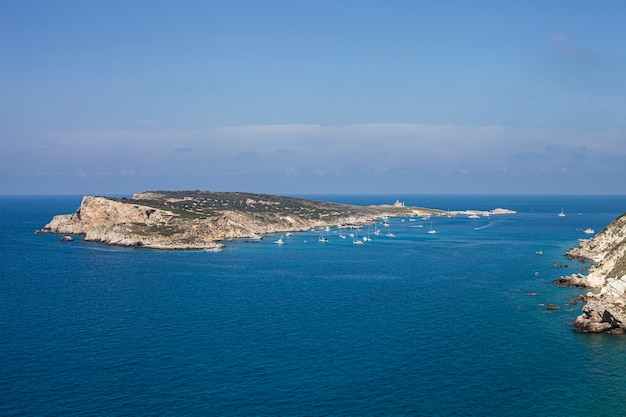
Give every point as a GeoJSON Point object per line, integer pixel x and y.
{"type": "Point", "coordinates": [182, 220]}
{"type": "Point", "coordinates": [605, 308]}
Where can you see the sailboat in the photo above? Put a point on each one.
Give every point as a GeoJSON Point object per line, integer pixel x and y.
{"type": "Point", "coordinates": [367, 238]}
{"type": "Point", "coordinates": [357, 241]}
{"type": "Point", "coordinates": [279, 241]}
{"type": "Point", "coordinates": [562, 213]}
{"type": "Point", "coordinates": [432, 231]}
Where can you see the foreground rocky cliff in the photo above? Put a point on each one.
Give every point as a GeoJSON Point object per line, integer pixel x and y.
{"type": "Point", "coordinates": [197, 219]}
{"type": "Point", "coordinates": [605, 310]}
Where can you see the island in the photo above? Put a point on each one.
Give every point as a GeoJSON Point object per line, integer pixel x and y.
{"type": "Point", "coordinates": [181, 220]}
{"type": "Point", "coordinates": [605, 308]}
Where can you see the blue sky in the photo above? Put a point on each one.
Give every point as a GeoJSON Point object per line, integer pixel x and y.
{"type": "Point", "coordinates": [301, 97]}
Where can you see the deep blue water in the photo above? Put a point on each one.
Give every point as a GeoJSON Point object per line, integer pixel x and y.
{"type": "Point", "coordinates": [419, 324]}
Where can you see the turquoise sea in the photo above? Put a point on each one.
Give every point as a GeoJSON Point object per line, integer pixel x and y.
{"type": "Point", "coordinates": [422, 324]}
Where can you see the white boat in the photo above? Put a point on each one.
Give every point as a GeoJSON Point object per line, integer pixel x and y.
{"type": "Point", "coordinates": [590, 231]}
{"type": "Point", "coordinates": [432, 231]}
{"type": "Point", "coordinates": [342, 236]}
{"type": "Point", "coordinates": [473, 216]}
{"type": "Point", "coordinates": [213, 249]}
{"type": "Point", "coordinates": [357, 242]}
{"type": "Point", "coordinates": [279, 241]}
{"type": "Point", "coordinates": [323, 239]}
{"type": "Point", "coordinates": [562, 213]}
{"type": "Point", "coordinates": [390, 235]}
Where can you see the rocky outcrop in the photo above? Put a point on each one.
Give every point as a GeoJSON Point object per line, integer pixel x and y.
{"type": "Point", "coordinates": [199, 219]}
{"type": "Point", "coordinates": [574, 280]}
{"type": "Point", "coordinates": [606, 250]}
{"type": "Point", "coordinates": [195, 220]}
{"type": "Point", "coordinates": [605, 310]}
{"type": "Point", "coordinates": [604, 313]}
{"type": "Point", "coordinates": [101, 219]}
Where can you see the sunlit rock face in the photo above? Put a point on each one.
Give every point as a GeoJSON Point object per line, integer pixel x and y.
{"type": "Point", "coordinates": [605, 310]}
{"type": "Point", "coordinates": [201, 219]}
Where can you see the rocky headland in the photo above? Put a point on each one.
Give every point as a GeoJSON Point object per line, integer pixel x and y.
{"type": "Point", "coordinates": [605, 311]}
{"type": "Point", "coordinates": [204, 219]}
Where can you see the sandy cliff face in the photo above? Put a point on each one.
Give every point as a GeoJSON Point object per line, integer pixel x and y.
{"type": "Point", "coordinates": [605, 310]}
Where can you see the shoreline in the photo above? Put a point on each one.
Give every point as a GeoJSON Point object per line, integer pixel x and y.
{"type": "Point", "coordinates": [199, 220]}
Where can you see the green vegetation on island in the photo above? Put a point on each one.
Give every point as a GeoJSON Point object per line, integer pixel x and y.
{"type": "Point", "coordinates": [204, 219]}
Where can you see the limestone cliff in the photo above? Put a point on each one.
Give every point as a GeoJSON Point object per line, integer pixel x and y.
{"type": "Point", "coordinates": [194, 219]}
{"type": "Point", "coordinates": [116, 222]}
{"type": "Point", "coordinates": [605, 310]}
{"type": "Point", "coordinates": [202, 219]}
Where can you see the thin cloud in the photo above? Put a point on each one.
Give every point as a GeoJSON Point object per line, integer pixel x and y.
{"type": "Point", "coordinates": [560, 46]}
{"type": "Point", "coordinates": [338, 155]}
